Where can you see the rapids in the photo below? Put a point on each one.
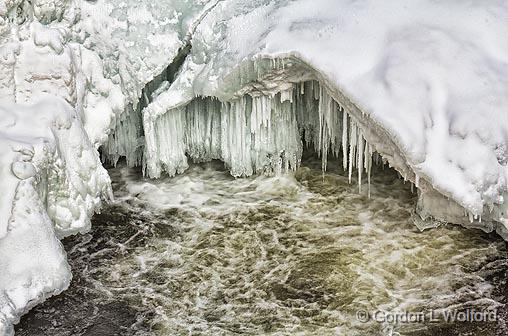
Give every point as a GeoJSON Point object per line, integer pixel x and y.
{"type": "Point", "coordinates": [204, 253]}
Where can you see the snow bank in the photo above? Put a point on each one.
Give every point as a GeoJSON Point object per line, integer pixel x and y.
{"type": "Point", "coordinates": [52, 181]}
{"type": "Point", "coordinates": [70, 72]}
{"type": "Point", "coordinates": [426, 81]}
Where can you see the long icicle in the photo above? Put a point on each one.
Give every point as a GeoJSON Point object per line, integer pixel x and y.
{"type": "Point", "coordinates": [344, 139]}
{"type": "Point", "coordinates": [369, 165]}
{"type": "Point", "coordinates": [360, 160]}
{"type": "Point", "coordinates": [352, 146]}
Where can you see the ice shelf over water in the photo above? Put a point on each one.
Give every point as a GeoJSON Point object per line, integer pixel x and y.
{"type": "Point", "coordinates": [421, 85]}
{"type": "Point", "coordinates": [428, 89]}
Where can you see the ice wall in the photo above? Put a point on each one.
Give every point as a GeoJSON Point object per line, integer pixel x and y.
{"type": "Point", "coordinates": [52, 181]}
{"type": "Point", "coordinates": [70, 71]}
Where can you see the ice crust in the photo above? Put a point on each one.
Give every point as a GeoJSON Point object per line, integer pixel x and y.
{"type": "Point", "coordinates": [422, 85]}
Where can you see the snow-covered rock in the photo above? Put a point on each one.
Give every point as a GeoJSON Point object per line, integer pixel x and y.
{"type": "Point", "coordinates": [69, 73]}
{"type": "Point", "coordinates": [46, 143]}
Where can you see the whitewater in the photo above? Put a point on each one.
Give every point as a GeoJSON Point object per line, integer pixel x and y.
{"type": "Point", "coordinates": [204, 253]}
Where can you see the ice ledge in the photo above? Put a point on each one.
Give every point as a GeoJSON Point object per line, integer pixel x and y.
{"type": "Point", "coordinates": [436, 203]}
{"type": "Point", "coordinates": [429, 93]}
{"type": "Point", "coordinates": [270, 75]}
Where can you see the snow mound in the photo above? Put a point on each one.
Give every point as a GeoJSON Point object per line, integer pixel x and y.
{"type": "Point", "coordinates": [70, 72]}
{"type": "Point", "coordinates": [52, 182]}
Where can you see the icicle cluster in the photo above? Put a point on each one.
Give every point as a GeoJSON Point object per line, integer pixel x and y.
{"type": "Point", "coordinates": [127, 136]}
{"type": "Point", "coordinates": [251, 135]}
{"type": "Point", "coordinates": [261, 134]}
{"type": "Point", "coordinates": [126, 139]}
{"type": "Point", "coordinates": [328, 126]}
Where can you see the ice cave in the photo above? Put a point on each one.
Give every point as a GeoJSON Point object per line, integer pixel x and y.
{"type": "Point", "coordinates": [253, 167]}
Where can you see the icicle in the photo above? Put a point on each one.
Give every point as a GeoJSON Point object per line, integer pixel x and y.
{"type": "Point", "coordinates": [317, 90]}
{"type": "Point", "coordinates": [255, 119]}
{"type": "Point", "coordinates": [286, 95]}
{"type": "Point", "coordinates": [360, 160]}
{"type": "Point", "coordinates": [336, 128]}
{"type": "Point", "coordinates": [352, 147]}
{"type": "Point", "coordinates": [369, 166]}
{"type": "Point", "coordinates": [344, 140]}
{"type": "Point", "coordinates": [126, 140]}
{"type": "Point", "coordinates": [321, 143]}
{"type": "Point", "coordinates": [169, 131]}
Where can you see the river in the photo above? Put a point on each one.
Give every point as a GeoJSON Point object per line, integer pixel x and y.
{"type": "Point", "coordinates": [301, 254]}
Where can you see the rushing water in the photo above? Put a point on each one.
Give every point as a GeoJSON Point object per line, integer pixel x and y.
{"type": "Point", "coordinates": [206, 254]}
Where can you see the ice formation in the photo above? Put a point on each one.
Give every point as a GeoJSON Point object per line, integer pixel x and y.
{"type": "Point", "coordinates": [52, 181]}
{"type": "Point", "coordinates": [249, 82]}
{"type": "Point", "coordinates": [258, 134]}
{"type": "Point", "coordinates": [70, 71]}
{"type": "Point", "coordinates": [428, 92]}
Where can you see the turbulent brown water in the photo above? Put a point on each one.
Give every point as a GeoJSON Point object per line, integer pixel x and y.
{"type": "Point", "coordinates": [304, 254]}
